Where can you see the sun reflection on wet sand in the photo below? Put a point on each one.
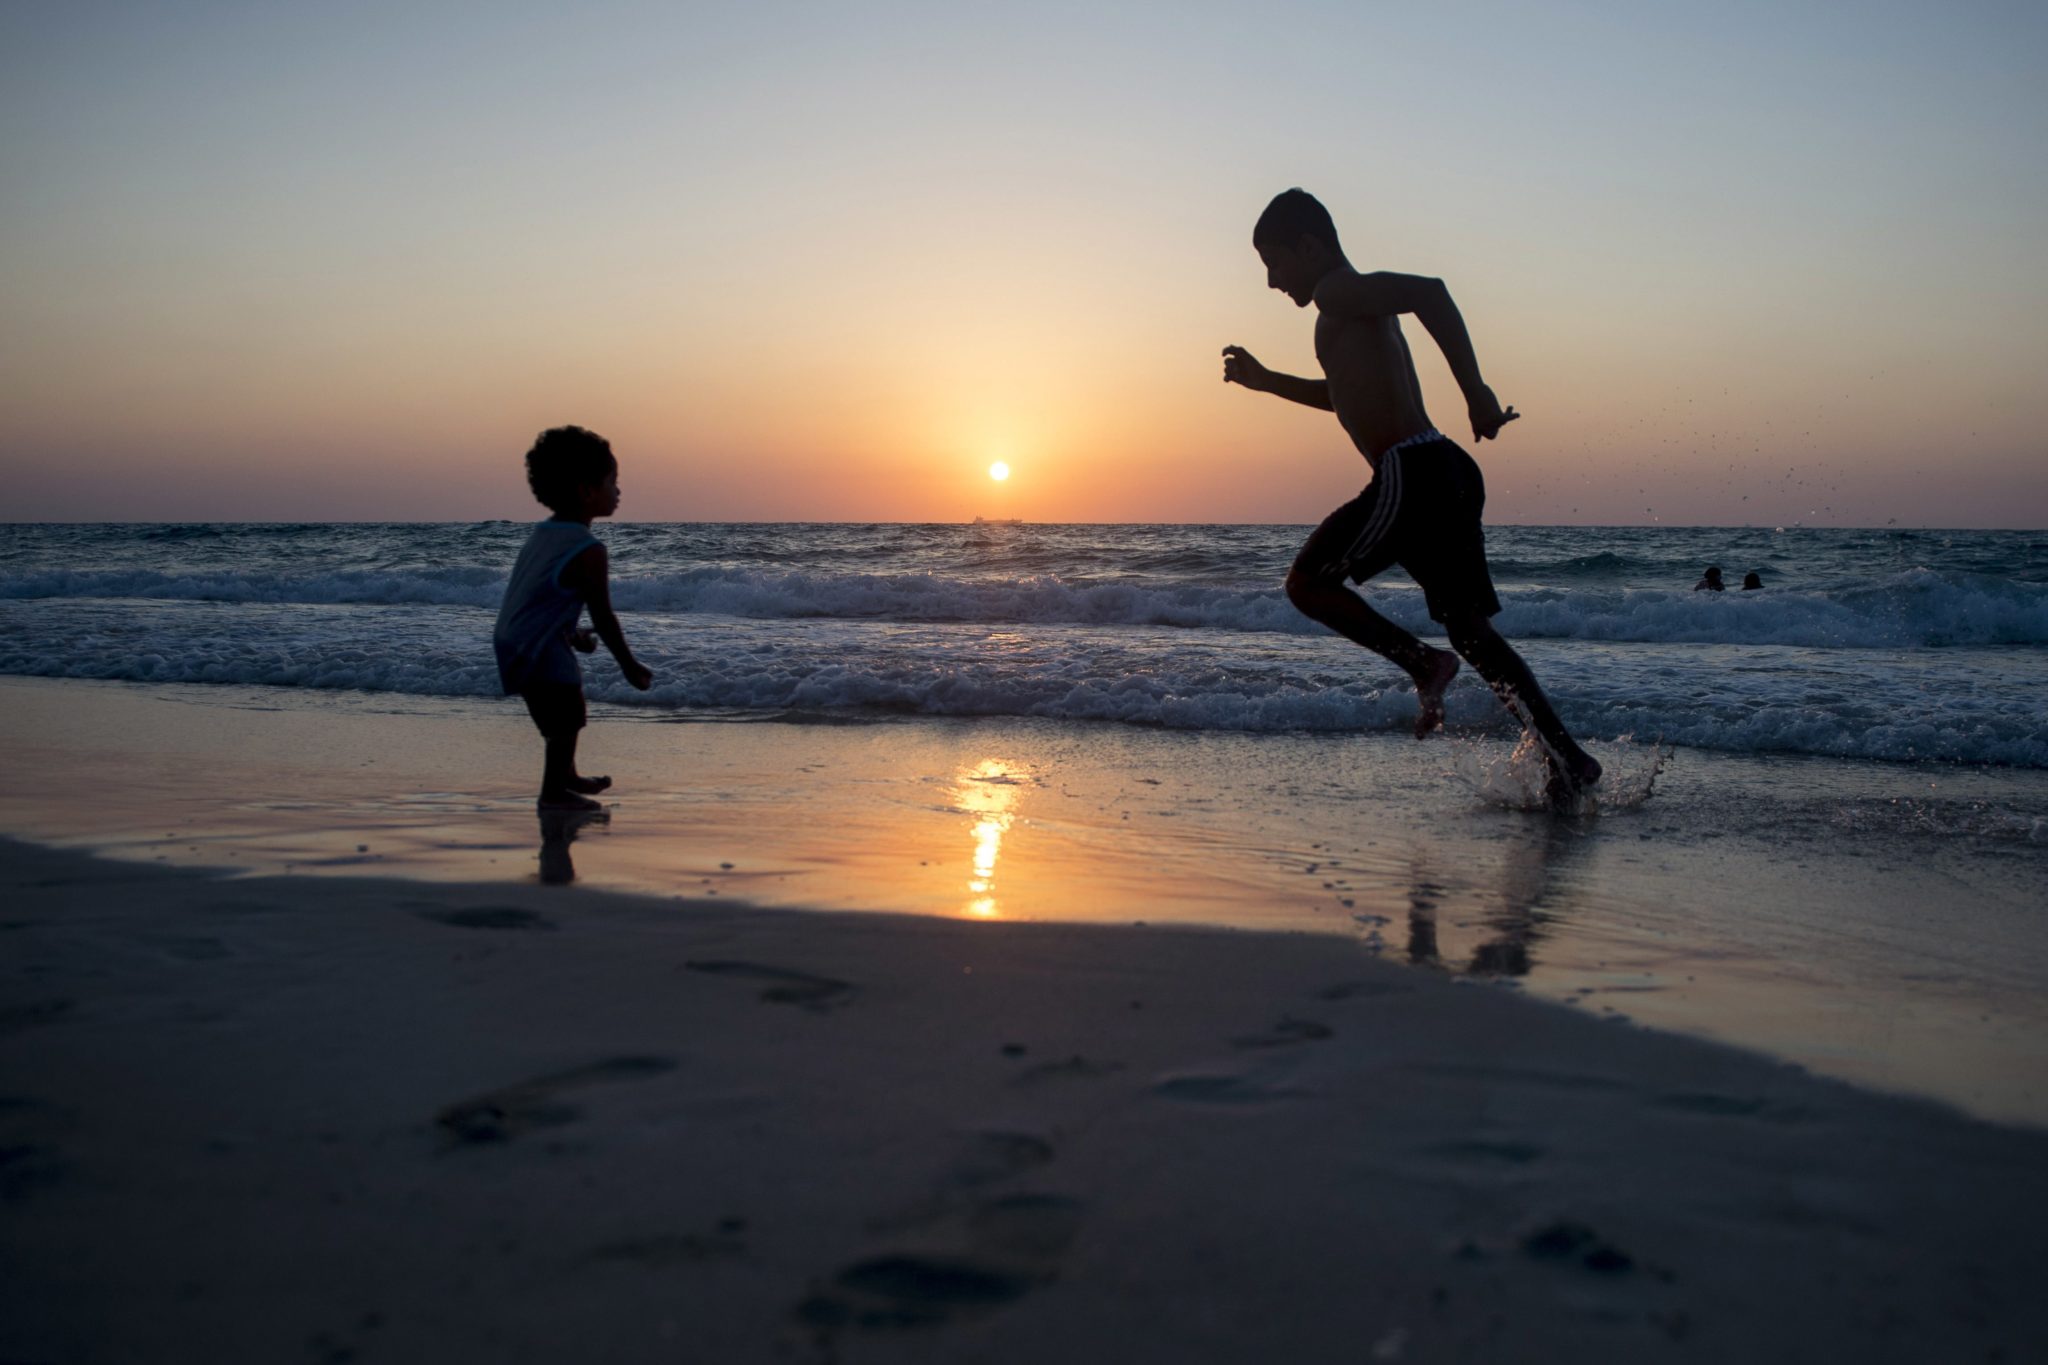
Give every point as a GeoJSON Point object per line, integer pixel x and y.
{"type": "Point", "coordinates": [987, 791]}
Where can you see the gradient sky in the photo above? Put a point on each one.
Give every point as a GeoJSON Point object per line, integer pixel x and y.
{"type": "Point", "coordinates": [1735, 262]}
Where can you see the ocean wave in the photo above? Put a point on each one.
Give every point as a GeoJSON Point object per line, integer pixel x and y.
{"type": "Point", "coordinates": [1780, 711]}
{"type": "Point", "coordinates": [1914, 608]}
{"type": "Point", "coordinates": [464, 586]}
{"type": "Point", "coordinates": [1919, 608]}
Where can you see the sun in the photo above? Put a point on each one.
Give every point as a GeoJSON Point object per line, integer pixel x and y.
{"type": "Point", "coordinates": [999, 471]}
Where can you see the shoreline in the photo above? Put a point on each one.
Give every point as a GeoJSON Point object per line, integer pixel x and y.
{"type": "Point", "coordinates": [248, 1116]}
{"type": "Point", "coordinates": [1846, 917]}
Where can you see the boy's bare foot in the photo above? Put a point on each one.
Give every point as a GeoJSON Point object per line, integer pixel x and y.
{"type": "Point", "coordinates": [1570, 779]}
{"type": "Point", "coordinates": [589, 786]}
{"type": "Point", "coordinates": [566, 800]}
{"type": "Point", "coordinates": [1429, 693]}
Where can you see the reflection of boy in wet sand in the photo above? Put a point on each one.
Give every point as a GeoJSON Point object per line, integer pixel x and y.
{"type": "Point", "coordinates": [1421, 509]}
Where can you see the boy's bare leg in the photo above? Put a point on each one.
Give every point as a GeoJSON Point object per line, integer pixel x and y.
{"type": "Point", "coordinates": [558, 782]}
{"type": "Point", "coordinates": [1345, 612]}
{"type": "Point", "coordinates": [1496, 661]}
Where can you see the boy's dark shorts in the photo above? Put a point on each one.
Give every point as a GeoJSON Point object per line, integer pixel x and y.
{"type": "Point", "coordinates": [556, 707]}
{"type": "Point", "coordinates": [1420, 511]}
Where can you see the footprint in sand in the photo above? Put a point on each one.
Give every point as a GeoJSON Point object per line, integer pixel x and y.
{"type": "Point", "coordinates": [1479, 1152]}
{"type": "Point", "coordinates": [1361, 990]}
{"type": "Point", "coordinates": [1221, 1089]}
{"type": "Point", "coordinates": [1509, 1075]}
{"type": "Point", "coordinates": [1568, 1241]}
{"type": "Point", "coordinates": [1288, 1031]}
{"type": "Point", "coordinates": [908, 1291]}
{"type": "Point", "coordinates": [974, 1257]}
{"type": "Point", "coordinates": [723, 1242]}
{"type": "Point", "coordinates": [1010, 1246]}
{"type": "Point", "coordinates": [501, 1115]}
{"type": "Point", "coordinates": [783, 986]}
{"type": "Point", "coordinates": [26, 1166]}
{"type": "Point", "coordinates": [983, 1159]}
{"type": "Point", "coordinates": [189, 947]}
{"type": "Point", "coordinates": [993, 1156]}
{"type": "Point", "coordinates": [490, 917]}
{"type": "Point", "coordinates": [30, 1014]}
{"type": "Point", "coordinates": [1731, 1107]}
{"type": "Point", "coordinates": [1074, 1068]}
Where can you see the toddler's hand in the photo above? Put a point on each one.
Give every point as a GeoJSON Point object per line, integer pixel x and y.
{"type": "Point", "coordinates": [638, 674]}
{"type": "Point", "coordinates": [583, 640]}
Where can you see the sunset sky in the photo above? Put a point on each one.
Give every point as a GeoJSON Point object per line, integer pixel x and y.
{"type": "Point", "coordinates": [1734, 262]}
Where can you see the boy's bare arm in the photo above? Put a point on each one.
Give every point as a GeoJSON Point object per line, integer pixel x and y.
{"type": "Point", "coordinates": [1349, 294]}
{"type": "Point", "coordinates": [588, 575]}
{"type": "Point", "coordinates": [1242, 367]}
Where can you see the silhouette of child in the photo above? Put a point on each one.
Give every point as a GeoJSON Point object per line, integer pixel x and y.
{"type": "Point", "coordinates": [562, 569]}
{"type": "Point", "coordinates": [1712, 581]}
{"type": "Point", "coordinates": [1751, 581]}
{"type": "Point", "coordinates": [1422, 508]}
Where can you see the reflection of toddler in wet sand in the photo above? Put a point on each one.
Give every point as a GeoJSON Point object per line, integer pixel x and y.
{"type": "Point", "coordinates": [562, 569]}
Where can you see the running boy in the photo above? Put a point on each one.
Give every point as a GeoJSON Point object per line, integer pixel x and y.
{"type": "Point", "coordinates": [561, 570]}
{"type": "Point", "coordinates": [1422, 508]}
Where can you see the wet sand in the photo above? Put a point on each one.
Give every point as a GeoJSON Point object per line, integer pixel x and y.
{"type": "Point", "coordinates": [1873, 922]}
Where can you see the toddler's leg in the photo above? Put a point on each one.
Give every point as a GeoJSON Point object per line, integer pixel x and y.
{"type": "Point", "coordinates": [558, 789]}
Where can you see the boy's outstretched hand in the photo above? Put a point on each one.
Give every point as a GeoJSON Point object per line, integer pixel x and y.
{"type": "Point", "coordinates": [1486, 414]}
{"type": "Point", "coordinates": [1242, 367]}
{"type": "Point", "coordinates": [638, 674]}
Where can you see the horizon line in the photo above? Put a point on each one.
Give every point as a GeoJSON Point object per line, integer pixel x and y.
{"type": "Point", "coordinates": [1006, 521]}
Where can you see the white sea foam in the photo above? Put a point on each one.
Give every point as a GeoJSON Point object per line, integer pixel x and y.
{"type": "Point", "coordinates": [1866, 645]}
{"type": "Point", "coordinates": [1916, 608]}
{"type": "Point", "coordinates": [1799, 702]}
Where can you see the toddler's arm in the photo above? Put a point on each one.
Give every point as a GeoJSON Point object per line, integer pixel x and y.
{"type": "Point", "coordinates": [589, 575]}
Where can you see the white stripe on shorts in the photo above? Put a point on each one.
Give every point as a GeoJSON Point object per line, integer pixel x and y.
{"type": "Point", "coordinates": [1420, 438]}
{"type": "Point", "coordinates": [1384, 510]}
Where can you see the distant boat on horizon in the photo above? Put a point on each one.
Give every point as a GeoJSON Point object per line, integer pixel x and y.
{"type": "Point", "coordinates": [999, 521]}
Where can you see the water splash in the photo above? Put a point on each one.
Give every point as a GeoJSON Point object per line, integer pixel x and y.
{"type": "Point", "coordinates": [1520, 780]}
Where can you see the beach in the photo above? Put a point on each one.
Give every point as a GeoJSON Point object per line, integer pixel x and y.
{"type": "Point", "coordinates": [1011, 942]}
{"type": "Point", "coordinates": [1011, 902]}
{"type": "Point", "coordinates": [1178, 1052]}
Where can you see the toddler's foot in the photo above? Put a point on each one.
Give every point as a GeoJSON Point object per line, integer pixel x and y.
{"type": "Point", "coordinates": [590, 786]}
{"type": "Point", "coordinates": [1429, 693]}
{"type": "Point", "coordinates": [566, 800]}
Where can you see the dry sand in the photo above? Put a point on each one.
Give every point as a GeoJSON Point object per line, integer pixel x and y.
{"type": "Point", "coordinates": [296, 1119]}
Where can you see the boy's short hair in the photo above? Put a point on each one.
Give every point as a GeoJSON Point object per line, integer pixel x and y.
{"type": "Point", "coordinates": [1292, 215]}
{"type": "Point", "coordinates": [564, 460]}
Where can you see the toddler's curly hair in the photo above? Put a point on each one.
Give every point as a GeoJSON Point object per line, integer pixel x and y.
{"type": "Point", "coordinates": [565, 460]}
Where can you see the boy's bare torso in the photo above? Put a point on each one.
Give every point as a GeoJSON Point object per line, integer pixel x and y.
{"type": "Point", "coordinates": [1372, 381]}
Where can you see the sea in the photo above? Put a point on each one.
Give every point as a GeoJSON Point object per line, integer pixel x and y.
{"type": "Point", "coordinates": [1886, 645]}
